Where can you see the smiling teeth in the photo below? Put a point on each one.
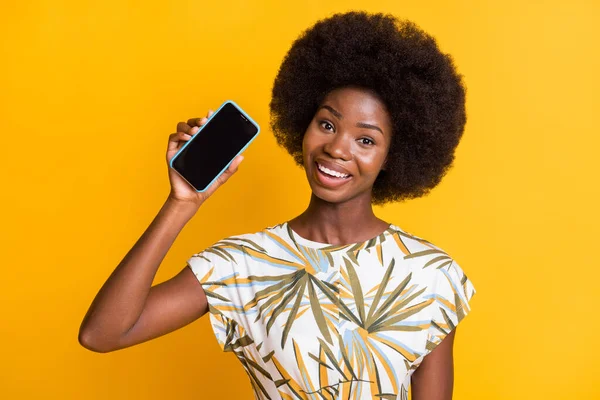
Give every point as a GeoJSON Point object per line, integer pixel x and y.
{"type": "Point", "coordinates": [332, 173]}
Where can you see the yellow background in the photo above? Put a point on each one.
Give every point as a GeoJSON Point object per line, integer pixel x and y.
{"type": "Point", "coordinates": [90, 92]}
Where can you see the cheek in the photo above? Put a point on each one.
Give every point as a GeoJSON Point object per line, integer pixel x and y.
{"type": "Point", "coordinates": [309, 142]}
{"type": "Point", "coordinates": [305, 145]}
{"type": "Point", "coordinates": [371, 162]}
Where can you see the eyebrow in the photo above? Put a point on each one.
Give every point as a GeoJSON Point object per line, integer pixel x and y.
{"type": "Point", "coordinates": [358, 124]}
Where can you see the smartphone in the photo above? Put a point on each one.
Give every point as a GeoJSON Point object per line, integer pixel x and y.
{"type": "Point", "coordinates": [211, 150]}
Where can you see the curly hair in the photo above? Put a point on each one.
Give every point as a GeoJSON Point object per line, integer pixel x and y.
{"type": "Point", "coordinates": [402, 64]}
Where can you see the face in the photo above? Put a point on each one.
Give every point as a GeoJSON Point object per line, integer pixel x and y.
{"type": "Point", "coordinates": [346, 145]}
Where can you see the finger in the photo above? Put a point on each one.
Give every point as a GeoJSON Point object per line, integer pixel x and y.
{"type": "Point", "coordinates": [197, 121]}
{"type": "Point", "coordinates": [232, 169]}
{"type": "Point", "coordinates": [175, 140]}
{"type": "Point", "coordinates": [183, 127]}
{"type": "Point", "coordinates": [194, 121]}
{"type": "Point", "coordinates": [210, 112]}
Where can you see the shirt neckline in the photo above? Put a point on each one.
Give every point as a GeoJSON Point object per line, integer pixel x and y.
{"type": "Point", "coordinates": [299, 240]}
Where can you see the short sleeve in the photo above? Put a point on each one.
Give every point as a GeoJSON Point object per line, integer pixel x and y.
{"type": "Point", "coordinates": [452, 294]}
{"type": "Point", "coordinates": [214, 269]}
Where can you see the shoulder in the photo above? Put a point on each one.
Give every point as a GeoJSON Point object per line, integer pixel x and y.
{"type": "Point", "coordinates": [430, 263]}
{"type": "Point", "coordinates": [420, 250]}
{"type": "Point", "coordinates": [448, 290]}
{"type": "Point", "coordinates": [234, 257]}
{"type": "Point", "coordinates": [257, 239]}
{"type": "Point", "coordinates": [229, 248]}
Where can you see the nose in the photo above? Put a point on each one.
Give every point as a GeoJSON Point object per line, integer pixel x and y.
{"type": "Point", "coordinates": [338, 146]}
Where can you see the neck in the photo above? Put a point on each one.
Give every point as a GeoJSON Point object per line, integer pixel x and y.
{"type": "Point", "coordinates": [338, 223]}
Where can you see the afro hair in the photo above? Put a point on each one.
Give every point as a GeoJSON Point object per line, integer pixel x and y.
{"type": "Point", "coordinates": [403, 65]}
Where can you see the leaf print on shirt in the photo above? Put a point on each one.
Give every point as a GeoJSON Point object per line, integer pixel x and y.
{"type": "Point", "coordinates": [375, 312]}
{"type": "Point", "coordinates": [388, 308]}
{"type": "Point", "coordinates": [210, 291]}
{"type": "Point", "coordinates": [249, 357]}
{"type": "Point", "coordinates": [451, 300]}
{"type": "Point", "coordinates": [309, 320]}
{"type": "Point", "coordinates": [287, 296]}
{"type": "Point", "coordinates": [440, 259]}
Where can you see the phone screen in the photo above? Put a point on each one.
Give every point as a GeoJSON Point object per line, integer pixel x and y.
{"type": "Point", "coordinates": [213, 147]}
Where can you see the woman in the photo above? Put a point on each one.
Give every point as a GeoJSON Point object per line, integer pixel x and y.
{"type": "Point", "coordinates": [335, 303]}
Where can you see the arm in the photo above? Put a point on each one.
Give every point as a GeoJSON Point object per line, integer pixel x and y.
{"type": "Point", "coordinates": [128, 310]}
{"type": "Point", "coordinates": [434, 378]}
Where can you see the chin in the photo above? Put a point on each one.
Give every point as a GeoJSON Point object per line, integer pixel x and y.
{"type": "Point", "coordinates": [333, 196]}
{"type": "Point", "coordinates": [326, 196]}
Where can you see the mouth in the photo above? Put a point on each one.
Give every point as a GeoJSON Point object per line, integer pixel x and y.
{"type": "Point", "coordinates": [330, 178]}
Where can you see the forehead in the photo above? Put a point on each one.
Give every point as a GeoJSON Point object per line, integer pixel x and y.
{"type": "Point", "coordinates": [357, 104]}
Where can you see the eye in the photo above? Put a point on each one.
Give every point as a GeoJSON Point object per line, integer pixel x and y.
{"type": "Point", "coordinates": [326, 125]}
{"type": "Point", "coordinates": [366, 141]}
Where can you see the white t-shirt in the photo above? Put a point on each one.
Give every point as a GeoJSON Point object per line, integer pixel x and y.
{"type": "Point", "coordinates": [309, 320]}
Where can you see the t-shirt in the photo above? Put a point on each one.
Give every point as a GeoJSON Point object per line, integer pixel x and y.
{"type": "Point", "coordinates": [310, 320]}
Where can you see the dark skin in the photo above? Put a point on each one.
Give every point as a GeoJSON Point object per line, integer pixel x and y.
{"type": "Point", "coordinates": [350, 134]}
{"type": "Point", "coordinates": [352, 130]}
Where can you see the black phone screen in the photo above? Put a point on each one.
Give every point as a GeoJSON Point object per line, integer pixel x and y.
{"type": "Point", "coordinates": [214, 146]}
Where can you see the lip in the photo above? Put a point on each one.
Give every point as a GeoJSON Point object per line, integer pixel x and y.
{"type": "Point", "coordinates": [328, 181]}
{"type": "Point", "coordinates": [333, 166]}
